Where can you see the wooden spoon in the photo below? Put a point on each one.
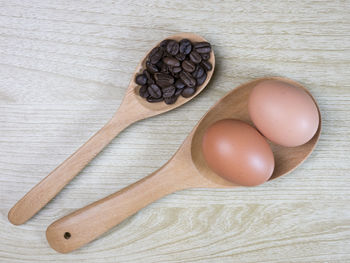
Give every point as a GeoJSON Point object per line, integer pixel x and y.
{"type": "Point", "coordinates": [132, 109]}
{"type": "Point", "coordinates": [186, 169]}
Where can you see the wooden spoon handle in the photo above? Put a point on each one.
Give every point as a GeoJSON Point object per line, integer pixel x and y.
{"type": "Point", "coordinates": [86, 224]}
{"type": "Point", "coordinates": [52, 184]}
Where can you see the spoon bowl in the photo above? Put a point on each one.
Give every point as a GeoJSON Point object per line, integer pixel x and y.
{"type": "Point", "coordinates": [132, 109]}
{"type": "Point", "coordinates": [234, 105]}
{"type": "Point", "coordinates": [151, 109]}
{"type": "Point", "coordinates": [186, 169]}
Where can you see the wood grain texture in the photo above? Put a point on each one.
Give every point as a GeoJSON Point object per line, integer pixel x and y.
{"type": "Point", "coordinates": [64, 68]}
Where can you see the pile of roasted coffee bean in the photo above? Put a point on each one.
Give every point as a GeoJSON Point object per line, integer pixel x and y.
{"type": "Point", "coordinates": [173, 69]}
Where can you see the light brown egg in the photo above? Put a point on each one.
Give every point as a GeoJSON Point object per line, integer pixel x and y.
{"type": "Point", "coordinates": [237, 152]}
{"type": "Point", "coordinates": [284, 114]}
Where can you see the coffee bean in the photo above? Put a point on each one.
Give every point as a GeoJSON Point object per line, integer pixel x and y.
{"type": "Point", "coordinates": [155, 55]}
{"type": "Point", "coordinates": [187, 79]}
{"type": "Point", "coordinates": [188, 66]}
{"type": "Point", "coordinates": [202, 47]}
{"type": "Point", "coordinates": [163, 80]}
{"type": "Point", "coordinates": [152, 68]}
{"type": "Point", "coordinates": [164, 43]}
{"type": "Point", "coordinates": [178, 92]}
{"type": "Point", "coordinates": [179, 84]}
{"type": "Point", "coordinates": [170, 100]}
{"type": "Point", "coordinates": [195, 57]}
{"type": "Point", "coordinates": [172, 47]}
{"type": "Point", "coordinates": [146, 73]}
{"type": "Point", "coordinates": [151, 99]}
{"type": "Point", "coordinates": [143, 91]}
{"type": "Point", "coordinates": [185, 46]}
{"type": "Point", "coordinates": [176, 70]}
{"type": "Point", "coordinates": [161, 76]}
{"type": "Point", "coordinates": [171, 61]}
{"type": "Point", "coordinates": [206, 65]}
{"type": "Point", "coordinates": [201, 80]}
{"type": "Point", "coordinates": [154, 91]}
{"type": "Point", "coordinates": [205, 56]}
{"type": "Point", "coordinates": [150, 80]}
{"type": "Point", "coordinates": [168, 91]}
{"type": "Point", "coordinates": [180, 56]}
{"type": "Point", "coordinates": [141, 79]}
{"type": "Point", "coordinates": [188, 92]}
{"type": "Point", "coordinates": [198, 72]}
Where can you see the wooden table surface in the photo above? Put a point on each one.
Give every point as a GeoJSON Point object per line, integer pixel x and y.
{"type": "Point", "coordinates": [64, 67]}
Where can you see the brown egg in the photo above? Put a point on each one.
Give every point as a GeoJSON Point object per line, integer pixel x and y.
{"type": "Point", "coordinates": [285, 114]}
{"type": "Point", "coordinates": [237, 152]}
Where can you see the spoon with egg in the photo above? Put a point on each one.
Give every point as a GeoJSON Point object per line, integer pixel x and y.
{"type": "Point", "coordinates": [196, 164]}
{"type": "Point", "coordinates": [132, 109]}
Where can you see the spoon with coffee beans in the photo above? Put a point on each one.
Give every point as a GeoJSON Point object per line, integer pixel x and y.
{"type": "Point", "coordinates": [171, 74]}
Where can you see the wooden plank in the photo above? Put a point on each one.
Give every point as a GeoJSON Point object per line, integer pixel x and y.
{"type": "Point", "coordinates": [64, 67]}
